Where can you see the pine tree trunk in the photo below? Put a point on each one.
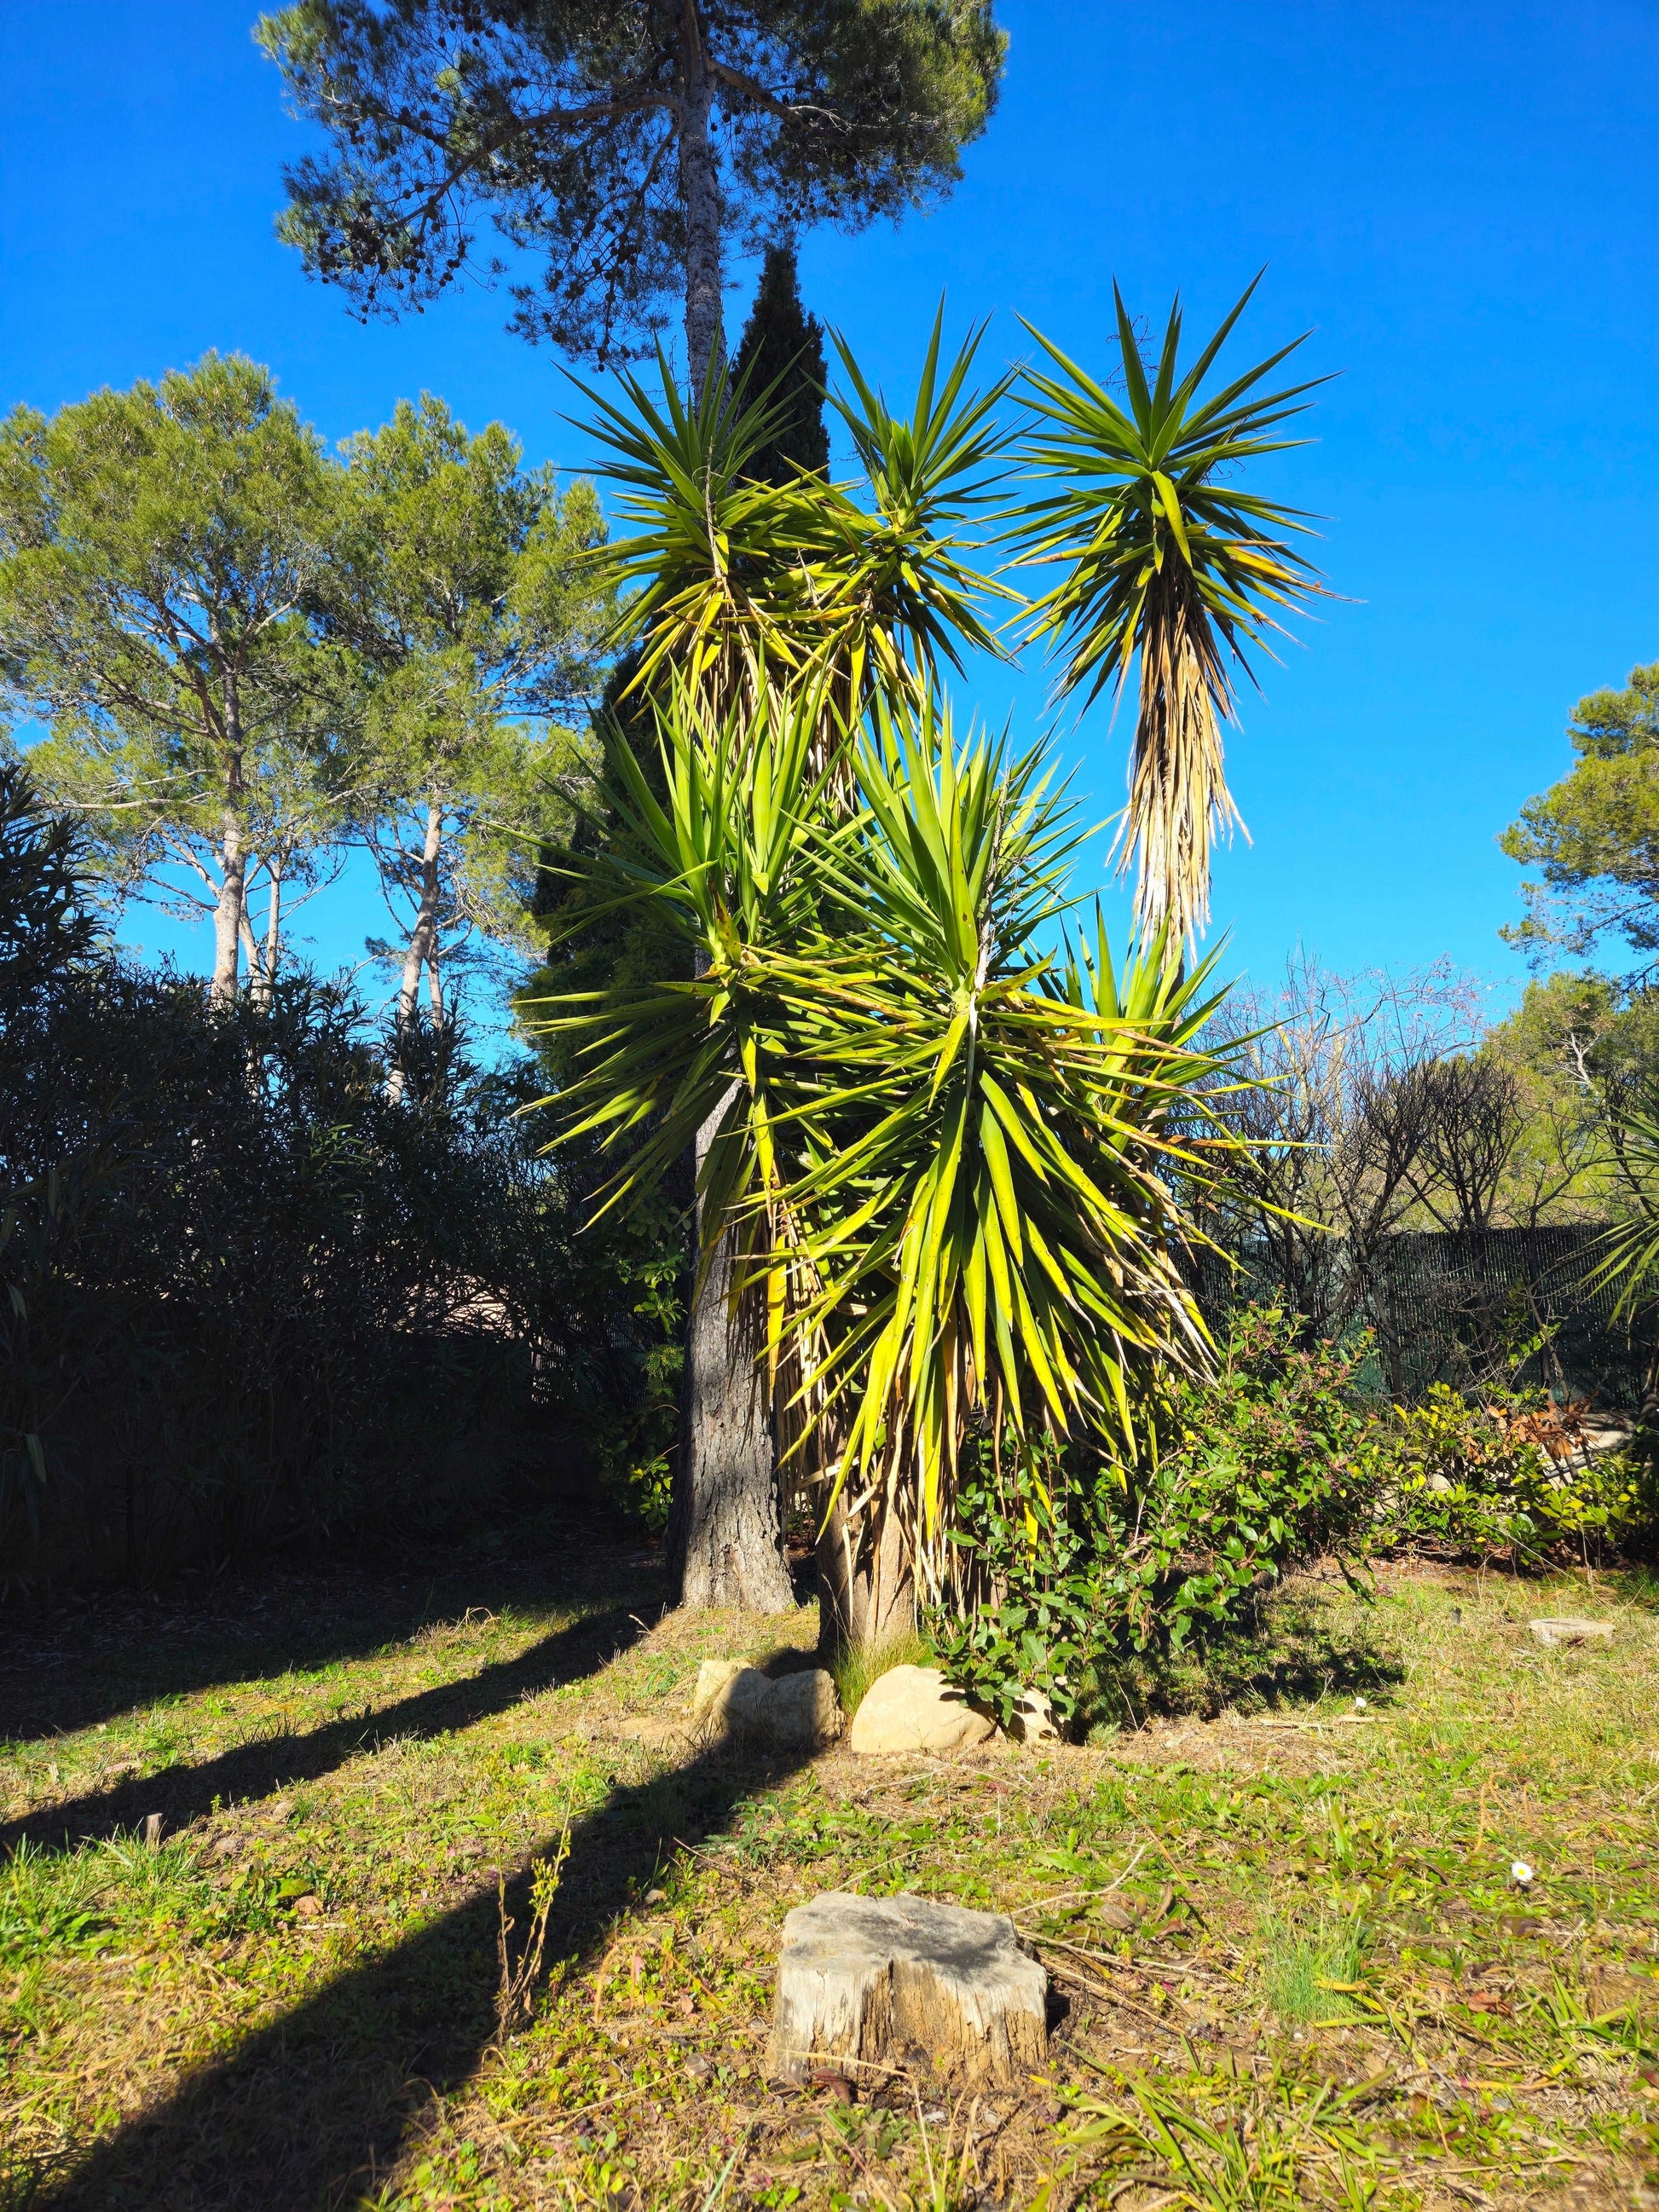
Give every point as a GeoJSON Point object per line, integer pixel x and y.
{"type": "Point", "coordinates": [228, 914]}
{"type": "Point", "coordinates": [726, 1534]}
{"type": "Point", "coordinates": [421, 950]}
{"type": "Point", "coordinates": [700, 200]}
{"type": "Point", "coordinates": [233, 858]}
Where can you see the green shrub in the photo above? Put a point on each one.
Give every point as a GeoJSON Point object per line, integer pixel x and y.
{"type": "Point", "coordinates": [1269, 1461]}
{"type": "Point", "coordinates": [1479, 1481]}
{"type": "Point", "coordinates": [1097, 1581]}
{"type": "Point", "coordinates": [247, 1300]}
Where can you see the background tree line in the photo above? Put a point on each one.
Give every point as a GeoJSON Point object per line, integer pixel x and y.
{"type": "Point", "coordinates": [251, 654]}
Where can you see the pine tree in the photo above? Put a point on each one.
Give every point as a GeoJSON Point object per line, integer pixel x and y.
{"type": "Point", "coordinates": [781, 353]}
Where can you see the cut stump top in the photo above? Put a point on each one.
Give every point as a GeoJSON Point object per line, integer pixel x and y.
{"type": "Point", "coordinates": [869, 1982]}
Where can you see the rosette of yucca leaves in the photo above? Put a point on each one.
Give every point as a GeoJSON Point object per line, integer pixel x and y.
{"type": "Point", "coordinates": [717, 842]}
{"type": "Point", "coordinates": [717, 573]}
{"type": "Point", "coordinates": [1164, 556]}
{"type": "Point", "coordinates": [1627, 1251]}
{"type": "Point", "coordinates": [904, 575]}
{"type": "Point", "coordinates": [989, 1206]}
{"type": "Point", "coordinates": [953, 1148]}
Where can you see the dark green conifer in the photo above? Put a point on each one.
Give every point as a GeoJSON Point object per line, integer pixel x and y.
{"type": "Point", "coordinates": [782, 350]}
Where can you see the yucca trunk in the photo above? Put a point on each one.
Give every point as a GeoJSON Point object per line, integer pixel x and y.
{"type": "Point", "coordinates": [1179, 802]}
{"type": "Point", "coordinates": [866, 1581]}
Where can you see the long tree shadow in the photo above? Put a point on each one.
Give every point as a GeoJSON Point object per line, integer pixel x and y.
{"type": "Point", "coordinates": [309, 2108]}
{"type": "Point", "coordinates": [65, 1668]}
{"type": "Point", "coordinates": [182, 1794]}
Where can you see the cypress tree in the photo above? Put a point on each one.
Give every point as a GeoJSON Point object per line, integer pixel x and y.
{"type": "Point", "coordinates": [782, 349]}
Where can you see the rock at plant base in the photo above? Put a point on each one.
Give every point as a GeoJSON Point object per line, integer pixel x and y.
{"type": "Point", "coordinates": [1032, 1720]}
{"type": "Point", "coordinates": [804, 1709]}
{"type": "Point", "coordinates": [1572, 1628]}
{"type": "Point", "coordinates": [713, 1676]}
{"type": "Point", "coordinates": [796, 1712]}
{"type": "Point", "coordinates": [915, 1709]}
{"type": "Point", "coordinates": [865, 1982]}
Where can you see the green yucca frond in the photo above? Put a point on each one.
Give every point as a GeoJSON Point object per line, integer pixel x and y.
{"type": "Point", "coordinates": [1627, 1252]}
{"type": "Point", "coordinates": [722, 852]}
{"type": "Point", "coordinates": [906, 577]}
{"type": "Point", "coordinates": [1166, 557]}
{"type": "Point", "coordinates": [988, 1203]}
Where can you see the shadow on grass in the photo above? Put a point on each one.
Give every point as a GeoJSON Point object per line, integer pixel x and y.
{"type": "Point", "coordinates": [183, 1794]}
{"type": "Point", "coordinates": [70, 1665]}
{"type": "Point", "coordinates": [309, 2110]}
{"type": "Point", "coordinates": [1292, 1654]}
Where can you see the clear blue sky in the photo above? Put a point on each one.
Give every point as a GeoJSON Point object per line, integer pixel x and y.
{"type": "Point", "coordinates": [1460, 202]}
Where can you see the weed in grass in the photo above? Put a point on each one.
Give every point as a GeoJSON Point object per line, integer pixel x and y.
{"type": "Point", "coordinates": [519, 1977]}
{"type": "Point", "coordinates": [862, 1665]}
{"type": "Point", "coordinates": [24, 2174]}
{"type": "Point", "coordinates": [1310, 1973]}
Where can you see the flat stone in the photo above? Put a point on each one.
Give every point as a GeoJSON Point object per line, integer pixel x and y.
{"type": "Point", "coordinates": [865, 1982]}
{"type": "Point", "coordinates": [915, 1709]}
{"type": "Point", "coordinates": [1572, 1628]}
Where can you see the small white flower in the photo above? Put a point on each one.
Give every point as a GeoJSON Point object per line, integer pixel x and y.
{"type": "Point", "coordinates": [1520, 1872]}
{"type": "Point", "coordinates": [1360, 1704]}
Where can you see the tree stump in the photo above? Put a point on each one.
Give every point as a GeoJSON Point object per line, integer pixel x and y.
{"type": "Point", "coordinates": [865, 1982]}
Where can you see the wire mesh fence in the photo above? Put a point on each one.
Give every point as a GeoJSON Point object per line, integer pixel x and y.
{"type": "Point", "coordinates": [1506, 1308]}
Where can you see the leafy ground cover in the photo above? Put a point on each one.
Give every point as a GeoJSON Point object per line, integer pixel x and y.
{"type": "Point", "coordinates": [1290, 1962]}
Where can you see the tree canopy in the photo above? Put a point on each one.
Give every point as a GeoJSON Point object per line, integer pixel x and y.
{"type": "Point", "coordinates": [1595, 833]}
{"type": "Point", "coordinates": [159, 549]}
{"type": "Point", "coordinates": [584, 133]}
{"type": "Point", "coordinates": [780, 354]}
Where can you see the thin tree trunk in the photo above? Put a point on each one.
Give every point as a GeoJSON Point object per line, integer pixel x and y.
{"type": "Point", "coordinates": [421, 949]}
{"type": "Point", "coordinates": [699, 200]}
{"type": "Point", "coordinates": [273, 932]}
{"type": "Point", "coordinates": [228, 914]}
{"type": "Point", "coordinates": [867, 1583]}
{"type": "Point", "coordinates": [232, 901]}
{"type": "Point", "coordinates": [725, 1539]}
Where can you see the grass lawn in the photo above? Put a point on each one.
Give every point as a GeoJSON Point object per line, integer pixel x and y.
{"type": "Point", "coordinates": [1291, 1964]}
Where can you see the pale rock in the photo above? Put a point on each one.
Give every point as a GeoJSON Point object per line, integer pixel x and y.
{"type": "Point", "coordinates": [796, 1712]}
{"type": "Point", "coordinates": [915, 1709]}
{"type": "Point", "coordinates": [713, 1676]}
{"type": "Point", "coordinates": [1032, 1720]}
{"type": "Point", "coordinates": [864, 1983]}
{"type": "Point", "coordinates": [804, 1710]}
{"type": "Point", "coordinates": [1572, 1628]}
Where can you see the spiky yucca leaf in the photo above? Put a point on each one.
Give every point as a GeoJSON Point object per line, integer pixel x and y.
{"type": "Point", "coordinates": [1627, 1252]}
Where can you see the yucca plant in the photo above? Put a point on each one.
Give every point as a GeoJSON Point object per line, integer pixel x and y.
{"type": "Point", "coordinates": [1165, 557]}
{"type": "Point", "coordinates": [989, 1198]}
{"type": "Point", "coordinates": [720, 572]}
{"type": "Point", "coordinates": [904, 575]}
{"type": "Point", "coordinates": [946, 1149]}
{"type": "Point", "coordinates": [1627, 1252]}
